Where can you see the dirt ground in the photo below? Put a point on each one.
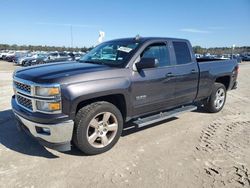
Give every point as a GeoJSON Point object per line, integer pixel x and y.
{"type": "Point", "coordinates": [196, 149]}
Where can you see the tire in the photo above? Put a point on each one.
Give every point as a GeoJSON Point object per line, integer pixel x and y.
{"type": "Point", "coordinates": [25, 64]}
{"type": "Point", "coordinates": [98, 127]}
{"type": "Point", "coordinates": [215, 103]}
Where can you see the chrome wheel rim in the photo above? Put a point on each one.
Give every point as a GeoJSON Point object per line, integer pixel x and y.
{"type": "Point", "coordinates": [102, 129]}
{"type": "Point", "coordinates": [219, 98]}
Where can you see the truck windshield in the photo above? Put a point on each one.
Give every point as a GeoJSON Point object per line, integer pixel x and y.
{"type": "Point", "coordinates": [114, 53]}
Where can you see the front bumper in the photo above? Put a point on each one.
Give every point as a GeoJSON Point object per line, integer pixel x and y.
{"type": "Point", "coordinates": [57, 136]}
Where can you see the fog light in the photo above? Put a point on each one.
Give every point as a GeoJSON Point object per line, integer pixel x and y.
{"type": "Point", "coordinates": [43, 130]}
{"type": "Point", "coordinates": [46, 130]}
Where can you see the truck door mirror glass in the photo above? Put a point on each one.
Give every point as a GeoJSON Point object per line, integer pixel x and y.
{"type": "Point", "coordinates": [146, 63]}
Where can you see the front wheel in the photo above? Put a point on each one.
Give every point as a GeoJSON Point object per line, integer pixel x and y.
{"type": "Point", "coordinates": [98, 127]}
{"type": "Point", "coordinates": [217, 98]}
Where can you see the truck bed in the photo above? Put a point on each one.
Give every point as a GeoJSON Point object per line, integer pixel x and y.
{"type": "Point", "coordinates": [212, 69]}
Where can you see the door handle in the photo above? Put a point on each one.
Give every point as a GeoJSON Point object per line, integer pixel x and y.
{"type": "Point", "coordinates": [193, 71]}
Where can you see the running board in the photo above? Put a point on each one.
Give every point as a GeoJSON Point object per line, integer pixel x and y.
{"type": "Point", "coordinates": [141, 122]}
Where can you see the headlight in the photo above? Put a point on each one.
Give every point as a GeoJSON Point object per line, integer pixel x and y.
{"type": "Point", "coordinates": [48, 106]}
{"type": "Point", "coordinates": [47, 91]}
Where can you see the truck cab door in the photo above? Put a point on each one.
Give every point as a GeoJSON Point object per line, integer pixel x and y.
{"type": "Point", "coordinates": [152, 89]}
{"type": "Point", "coordinates": [186, 73]}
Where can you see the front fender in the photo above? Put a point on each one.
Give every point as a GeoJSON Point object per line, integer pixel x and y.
{"type": "Point", "coordinates": [79, 92]}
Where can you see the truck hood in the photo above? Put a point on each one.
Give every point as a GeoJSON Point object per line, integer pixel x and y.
{"type": "Point", "coordinates": [57, 72]}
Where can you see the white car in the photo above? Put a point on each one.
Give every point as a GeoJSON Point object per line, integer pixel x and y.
{"type": "Point", "coordinates": [3, 54]}
{"type": "Point", "coordinates": [21, 60]}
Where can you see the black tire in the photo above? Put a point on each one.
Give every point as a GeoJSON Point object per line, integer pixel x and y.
{"type": "Point", "coordinates": [210, 104]}
{"type": "Point", "coordinates": [25, 64]}
{"type": "Point", "coordinates": [82, 121]}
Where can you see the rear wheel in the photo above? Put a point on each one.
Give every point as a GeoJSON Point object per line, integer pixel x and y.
{"type": "Point", "coordinates": [217, 98]}
{"type": "Point", "coordinates": [98, 127]}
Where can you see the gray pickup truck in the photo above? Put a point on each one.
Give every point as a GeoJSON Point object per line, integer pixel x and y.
{"type": "Point", "coordinates": [139, 80]}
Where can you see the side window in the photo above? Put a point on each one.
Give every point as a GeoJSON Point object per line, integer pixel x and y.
{"type": "Point", "coordinates": [157, 51]}
{"type": "Point", "coordinates": [182, 53]}
{"type": "Point", "coordinates": [62, 54]}
{"type": "Point", "coordinates": [53, 54]}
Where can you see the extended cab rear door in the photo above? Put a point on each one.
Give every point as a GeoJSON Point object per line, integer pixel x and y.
{"type": "Point", "coordinates": [186, 72]}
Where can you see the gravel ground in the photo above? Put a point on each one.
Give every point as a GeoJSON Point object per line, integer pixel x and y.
{"type": "Point", "coordinates": [196, 149]}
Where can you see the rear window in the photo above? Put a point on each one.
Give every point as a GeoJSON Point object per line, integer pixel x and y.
{"type": "Point", "coordinates": [182, 53]}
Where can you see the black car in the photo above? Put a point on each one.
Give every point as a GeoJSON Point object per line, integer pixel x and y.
{"type": "Point", "coordinates": [245, 57]}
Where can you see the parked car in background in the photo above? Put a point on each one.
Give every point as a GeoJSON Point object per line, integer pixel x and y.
{"type": "Point", "coordinates": [21, 60]}
{"type": "Point", "coordinates": [222, 57]}
{"type": "Point", "coordinates": [13, 56]}
{"type": "Point", "coordinates": [245, 57]}
{"type": "Point", "coordinates": [237, 57]}
{"type": "Point", "coordinates": [9, 55]}
{"type": "Point", "coordinates": [75, 55]}
{"type": "Point", "coordinates": [58, 56]}
{"type": "Point", "coordinates": [198, 56]}
{"type": "Point", "coordinates": [43, 58]}
{"type": "Point", "coordinates": [19, 55]}
{"type": "Point", "coordinates": [26, 58]}
{"type": "Point", "coordinates": [3, 54]}
{"type": "Point", "coordinates": [35, 59]}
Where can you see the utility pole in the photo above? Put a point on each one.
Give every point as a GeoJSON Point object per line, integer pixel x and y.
{"type": "Point", "coordinates": [232, 51]}
{"type": "Point", "coordinates": [71, 36]}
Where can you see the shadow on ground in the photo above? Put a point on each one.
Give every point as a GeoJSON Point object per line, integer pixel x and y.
{"type": "Point", "coordinates": [129, 128]}
{"type": "Point", "coordinates": [18, 141]}
{"type": "Point", "coordinates": [201, 109]}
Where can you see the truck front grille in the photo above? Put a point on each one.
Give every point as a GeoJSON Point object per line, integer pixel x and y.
{"type": "Point", "coordinates": [25, 102]}
{"type": "Point", "coordinates": [23, 87]}
{"type": "Point", "coordinates": [25, 95]}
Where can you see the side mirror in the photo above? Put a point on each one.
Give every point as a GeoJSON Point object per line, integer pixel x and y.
{"type": "Point", "coordinates": [146, 63]}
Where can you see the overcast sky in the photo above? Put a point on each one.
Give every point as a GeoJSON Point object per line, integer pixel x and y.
{"type": "Point", "coordinates": [208, 23]}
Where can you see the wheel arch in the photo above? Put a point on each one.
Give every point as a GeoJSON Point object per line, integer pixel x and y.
{"type": "Point", "coordinates": [116, 99]}
{"type": "Point", "coordinates": [225, 80]}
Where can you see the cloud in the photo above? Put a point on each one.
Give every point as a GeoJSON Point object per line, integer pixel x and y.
{"type": "Point", "coordinates": [193, 30]}
{"type": "Point", "coordinates": [67, 25]}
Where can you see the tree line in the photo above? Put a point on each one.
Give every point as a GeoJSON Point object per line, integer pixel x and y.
{"type": "Point", "coordinates": [197, 49]}
{"type": "Point", "coordinates": [43, 48]}
{"type": "Point", "coordinates": [221, 50]}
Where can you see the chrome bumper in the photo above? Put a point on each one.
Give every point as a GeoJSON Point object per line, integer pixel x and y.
{"type": "Point", "coordinates": [58, 133]}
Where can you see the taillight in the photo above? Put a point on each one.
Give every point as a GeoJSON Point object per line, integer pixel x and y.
{"type": "Point", "coordinates": [237, 69]}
